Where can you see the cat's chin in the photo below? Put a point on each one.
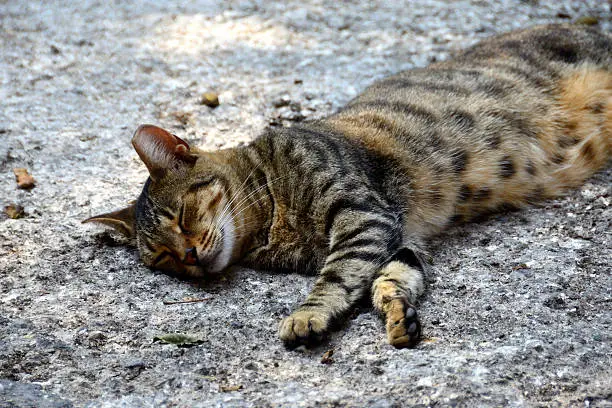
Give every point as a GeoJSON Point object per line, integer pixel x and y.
{"type": "Point", "coordinates": [214, 266]}
{"type": "Point", "coordinates": [197, 272]}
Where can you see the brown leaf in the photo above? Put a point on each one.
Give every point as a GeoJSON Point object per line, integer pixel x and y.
{"type": "Point", "coordinates": [179, 339]}
{"type": "Point", "coordinates": [24, 179]}
{"type": "Point", "coordinates": [520, 266]}
{"type": "Point", "coordinates": [183, 117]}
{"type": "Point", "coordinates": [14, 211]}
{"type": "Point", "coordinates": [185, 300]}
{"type": "Point", "coordinates": [587, 20]}
{"type": "Point", "coordinates": [327, 357]}
{"type": "Point", "coordinates": [230, 388]}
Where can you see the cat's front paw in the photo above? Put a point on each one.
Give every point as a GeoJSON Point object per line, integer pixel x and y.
{"type": "Point", "coordinates": [306, 327]}
{"type": "Point", "coordinates": [403, 327]}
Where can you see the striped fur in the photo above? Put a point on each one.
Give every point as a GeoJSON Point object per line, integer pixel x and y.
{"type": "Point", "coordinates": [512, 121]}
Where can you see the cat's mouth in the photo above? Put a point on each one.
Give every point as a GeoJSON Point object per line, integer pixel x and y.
{"type": "Point", "coordinates": [202, 261]}
{"type": "Point", "coordinates": [198, 266]}
{"type": "Point", "coordinates": [207, 262]}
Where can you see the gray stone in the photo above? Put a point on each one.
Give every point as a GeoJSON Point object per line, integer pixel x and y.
{"type": "Point", "coordinates": [23, 395]}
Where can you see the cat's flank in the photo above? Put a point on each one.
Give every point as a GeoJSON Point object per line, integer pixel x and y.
{"type": "Point", "coordinates": [513, 120]}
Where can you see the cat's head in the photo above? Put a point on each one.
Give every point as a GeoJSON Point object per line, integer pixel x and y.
{"type": "Point", "coordinates": [181, 222]}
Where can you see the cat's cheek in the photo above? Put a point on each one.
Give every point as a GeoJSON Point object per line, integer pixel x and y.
{"type": "Point", "coordinates": [181, 270]}
{"type": "Point", "coordinates": [220, 262]}
{"type": "Point", "coordinates": [228, 241]}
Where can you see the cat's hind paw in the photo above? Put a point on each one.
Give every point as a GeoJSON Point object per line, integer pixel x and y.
{"type": "Point", "coordinates": [403, 327]}
{"type": "Point", "coordinates": [307, 327]}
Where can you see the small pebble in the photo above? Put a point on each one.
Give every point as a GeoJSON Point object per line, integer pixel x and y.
{"type": "Point", "coordinates": [563, 14]}
{"type": "Point", "coordinates": [210, 99]}
{"type": "Point", "coordinates": [377, 371]}
{"type": "Point", "coordinates": [236, 325]}
{"type": "Point", "coordinates": [282, 101]}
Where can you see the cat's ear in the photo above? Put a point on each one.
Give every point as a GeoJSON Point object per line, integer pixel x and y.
{"type": "Point", "coordinates": [160, 150]}
{"type": "Point", "coordinates": [121, 221]}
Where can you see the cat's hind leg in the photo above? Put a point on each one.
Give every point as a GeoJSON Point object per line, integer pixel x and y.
{"type": "Point", "coordinates": [394, 293]}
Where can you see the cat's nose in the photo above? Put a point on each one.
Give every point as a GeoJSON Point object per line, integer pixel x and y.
{"type": "Point", "coordinates": [191, 256]}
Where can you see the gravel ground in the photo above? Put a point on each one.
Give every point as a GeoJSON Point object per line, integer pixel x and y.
{"type": "Point", "coordinates": [518, 307]}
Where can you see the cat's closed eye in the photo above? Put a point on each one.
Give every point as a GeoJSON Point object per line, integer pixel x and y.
{"type": "Point", "coordinates": [168, 261]}
{"type": "Point", "coordinates": [205, 182]}
{"type": "Point", "coordinates": [162, 258]}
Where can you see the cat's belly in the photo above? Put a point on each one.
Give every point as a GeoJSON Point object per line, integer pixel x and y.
{"type": "Point", "coordinates": [468, 155]}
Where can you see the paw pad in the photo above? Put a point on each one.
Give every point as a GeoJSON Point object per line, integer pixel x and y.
{"type": "Point", "coordinates": [303, 327]}
{"type": "Point", "coordinates": [403, 327]}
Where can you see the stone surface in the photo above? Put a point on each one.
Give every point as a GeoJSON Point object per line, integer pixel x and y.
{"type": "Point", "coordinates": [16, 394]}
{"type": "Point", "coordinates": [518, 307]}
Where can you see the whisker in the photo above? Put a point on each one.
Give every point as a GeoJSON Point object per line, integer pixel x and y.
{"type": "Point", "coordinates": [252, 193]}
{"type": "Point", "coordinates": [243, 209]}
{"type": "Point", "coordinates": [237, 192]}
{"type": "Point", "coordinates": [222, 215]}
{"type": "Point", "coordinates": [235, 210]}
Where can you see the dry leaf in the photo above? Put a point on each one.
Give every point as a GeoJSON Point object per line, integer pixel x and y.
{"type": "Point", "coordinates": [520, 266]}
{"type": "Point", "coordinates": [185, 300]}
{"type": "Point", "coordinates": [14, 211]}
{"type": "Point", "coordinates": [587, 20]}
{"type": "Point", "coordinates": [179, 339]}
{"type": "Point", "coordinates": [24, 179]}
{"type": "Point", "coordinates": [230, 388]}
{"type": "Point", "coordinates": [327, 357]}
{"type": "Point", "coordinates": [184, 118]}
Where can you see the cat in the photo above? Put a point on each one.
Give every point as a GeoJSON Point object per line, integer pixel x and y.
{"type": "Point", "coordinates": [512, 121]}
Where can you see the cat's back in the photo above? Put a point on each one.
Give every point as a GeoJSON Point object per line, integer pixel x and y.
{"type": "Point", "coordinates": [511, 120]}
{"type": "Point", "coordinates": [546, 48]}
{"type": "Point", "coordinates": [503, 66]}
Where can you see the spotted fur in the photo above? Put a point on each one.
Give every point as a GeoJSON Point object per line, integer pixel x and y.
{"type": "Point", "coordinates": [513, 120]}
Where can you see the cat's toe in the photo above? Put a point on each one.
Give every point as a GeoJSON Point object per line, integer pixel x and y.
{"type": "Point", "coordinates": [303, 327]}
{"type": "Point", "coordinates": [403, 327]}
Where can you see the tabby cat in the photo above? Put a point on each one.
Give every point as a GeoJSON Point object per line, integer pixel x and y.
{"type": "Point", "coordinates": [511, 121]}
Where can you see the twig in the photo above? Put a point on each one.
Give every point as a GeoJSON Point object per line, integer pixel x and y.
{"type": "Point", "coordinates": [188, 300]}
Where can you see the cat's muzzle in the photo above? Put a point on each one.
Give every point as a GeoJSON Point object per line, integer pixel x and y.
{"type": "Point", "coordinates": [191, 257]}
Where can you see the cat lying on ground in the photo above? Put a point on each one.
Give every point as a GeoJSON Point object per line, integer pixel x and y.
{"type": "Point", "coordinates": [511, 121]}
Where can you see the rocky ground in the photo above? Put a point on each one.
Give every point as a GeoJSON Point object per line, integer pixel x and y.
{"type": "Point", "coordinates": [518, 307]}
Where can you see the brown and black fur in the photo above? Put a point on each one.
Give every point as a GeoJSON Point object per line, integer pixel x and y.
{"type": "Point", "coordinates": [511, 121]}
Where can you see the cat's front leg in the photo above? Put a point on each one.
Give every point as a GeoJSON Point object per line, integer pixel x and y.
{"type": "Point", "coordinates": [394, 292]}
{"type": "Point", "coordinates": [362, 239]}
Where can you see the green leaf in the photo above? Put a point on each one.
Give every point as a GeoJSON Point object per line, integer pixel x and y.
{"type": "Point", "coordinates": [179, 339]}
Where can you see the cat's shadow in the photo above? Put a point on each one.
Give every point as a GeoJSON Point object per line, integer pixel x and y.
{"type": "Point", "coordinates": [218, 283]}
{"type": "Point", "coordinates": [108, 238]}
